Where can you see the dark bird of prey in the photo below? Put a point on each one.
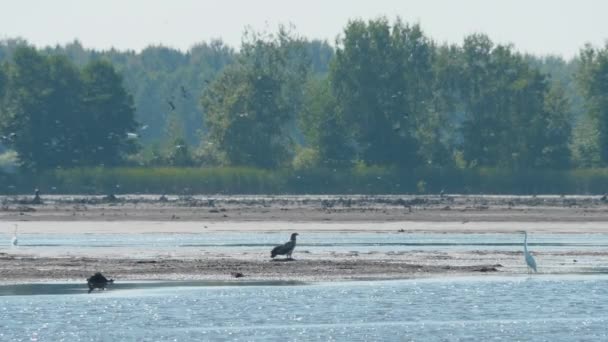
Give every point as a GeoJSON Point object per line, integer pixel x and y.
{"type": "Point", "coordinates": [171, 104]}
{"type": "Point", "coordinates": [98, 281]}
{"type": "Point", "coordinates": [286, 248]}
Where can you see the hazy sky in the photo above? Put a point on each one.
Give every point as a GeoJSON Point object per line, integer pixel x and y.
{"type": "Point", "coordinates": [537, 26]}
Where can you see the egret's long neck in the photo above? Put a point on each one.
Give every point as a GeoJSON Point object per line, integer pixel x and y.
{"type": "Point", "coordinates": [526, 242]}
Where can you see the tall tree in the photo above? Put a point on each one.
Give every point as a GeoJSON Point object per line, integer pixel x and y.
{"type": "Point", "coordinates": [55, 115]}
{"type": "Point", "coordinates": [109, 114]}
{"type": "Point", "coordinates": [593, 80]}
{"type": "Point", "coordinates": [324, 126]}
{"type": "Point", "coordinates": [25, 115]}
{"type": "Point", "coordinates": [508, 107]}
{"type": "Point", "coordinates": [250, 106]}
{"type": "Point", "coordinates": [382, 76]}
{"type": "Point", "coordinates": [556, 129]}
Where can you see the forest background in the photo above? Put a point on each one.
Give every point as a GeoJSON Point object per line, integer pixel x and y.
{"type": "Point", "coordinates": [383, 109]}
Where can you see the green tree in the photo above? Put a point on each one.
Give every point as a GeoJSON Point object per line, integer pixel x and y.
{"type": "Point", "coordinates": [556, 129]}
{"type": "Point", "coordinates": [55, 115]}
{"type": "Point", "coordinates": [252, 103]}
{"type": "Point", "coordinates": [109, 113]}
{"type": "Point", "coordinates": [446, 116]}
{"type": "Point", "coordinates": [511, 116]}
{"type": "Point", "coordinates": [382, 77]}
{"type": "Point", "coordinates": [3, 79]}
{"type": "Point", "coordinates": [325, 127]}
{"type": "Point", "coordinates": [26, 115]}
{"type": "Point", "coordinates": [593, 80]}
{"type": "Point", "coordinates": [3, 89]}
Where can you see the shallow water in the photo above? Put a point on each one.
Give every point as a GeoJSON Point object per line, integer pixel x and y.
{"type": "Point", "coordinates": [311, 241]}
{"type": "Point", "coordinates": [540, 308]}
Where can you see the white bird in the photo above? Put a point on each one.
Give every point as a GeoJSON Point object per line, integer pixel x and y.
{"type": "Point", "coordinates": [529, 258]}
{"type": "Point", "coordinates": [14, 241]}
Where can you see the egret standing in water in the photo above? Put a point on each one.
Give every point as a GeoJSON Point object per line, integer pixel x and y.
{"type": "Point", "coordinates": [14, 241]}
{"type": "Point", "coordinates": [529, 258]}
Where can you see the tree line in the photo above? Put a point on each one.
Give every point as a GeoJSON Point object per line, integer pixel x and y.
{"type": "Point", "coordinates": [385, 94]}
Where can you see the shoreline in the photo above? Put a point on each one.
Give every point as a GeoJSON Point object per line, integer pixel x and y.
{"type": "Point", "coordinates": [319, 214]}
{"type": "Point", "coordinates": [23, 266]}
{"type": "Point", "coordinates": [390, 208]}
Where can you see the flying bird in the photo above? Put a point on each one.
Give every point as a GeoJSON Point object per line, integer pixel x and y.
{"type": "Point", "coordinates": [171, 104]}
{"type": "Point", "coordinates": [184, 92]}
{"type": "Point", "coordinates": [286, 248]}
{"type": "Point", "coordinates": [529, 258]}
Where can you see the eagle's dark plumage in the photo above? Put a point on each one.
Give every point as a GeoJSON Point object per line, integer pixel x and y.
{"type": "Point", "coordinates": [286, 248]}
{"type": "Point", "coordinates": [98, 281]}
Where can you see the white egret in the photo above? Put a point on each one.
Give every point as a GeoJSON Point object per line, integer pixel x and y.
{"type": "Point", "coordinates": [529, 258]}
{"type": "Point", "coordinates": [14, 241]}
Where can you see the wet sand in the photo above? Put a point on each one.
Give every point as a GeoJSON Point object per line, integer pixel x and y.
{"type": "Point", "coordinates": [147, 214]}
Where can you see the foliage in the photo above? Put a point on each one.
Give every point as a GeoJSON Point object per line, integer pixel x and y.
{"type": "Point", "coordinates": [508, 107]}
{"type": "Point", "coordinates": [110, 116]}
{"type": "Point", "coordinates": [250, 106]}
{"type": "Point", "coordinates": [593, 80]}
{"type": "Point", "coordinates": [381, 77]}
{"type": "Point", "coordinates": [325, 127]}
{"type": "Point", "coordinates": [384, 110]}
{"type": "Point", "coordinates": [55, 115]}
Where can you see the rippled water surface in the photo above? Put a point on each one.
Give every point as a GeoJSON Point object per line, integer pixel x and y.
{"type": "Point", "coordinates": [540, 308]}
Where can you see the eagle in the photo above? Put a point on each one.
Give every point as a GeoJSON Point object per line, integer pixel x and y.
{"type": "Point", "coordinates": [98, 281]}
{"type": "Point", "coordinates": [286, 248]}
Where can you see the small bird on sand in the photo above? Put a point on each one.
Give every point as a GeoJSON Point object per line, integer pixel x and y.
{"type": "Point", "coordinates": [286, 248]}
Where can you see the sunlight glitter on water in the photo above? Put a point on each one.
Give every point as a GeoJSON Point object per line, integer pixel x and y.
{"type": "Point", "coordinates": [551, 308]}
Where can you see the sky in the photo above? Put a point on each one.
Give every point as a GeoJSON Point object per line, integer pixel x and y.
{"type": "Point", "coordinates": [540, 27]}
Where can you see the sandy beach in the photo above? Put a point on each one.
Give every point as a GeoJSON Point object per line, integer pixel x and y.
{"type": "Point", "coordinates": [342, 214]}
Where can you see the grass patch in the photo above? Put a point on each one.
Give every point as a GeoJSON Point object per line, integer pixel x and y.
{"type": "Point", "coordinates": [357, 180]}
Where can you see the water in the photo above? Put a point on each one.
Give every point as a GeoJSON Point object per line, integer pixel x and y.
{"type": "Point", "coordinates": [313, 242]}
{"type": "Point", "coordinates": [540, 308]}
